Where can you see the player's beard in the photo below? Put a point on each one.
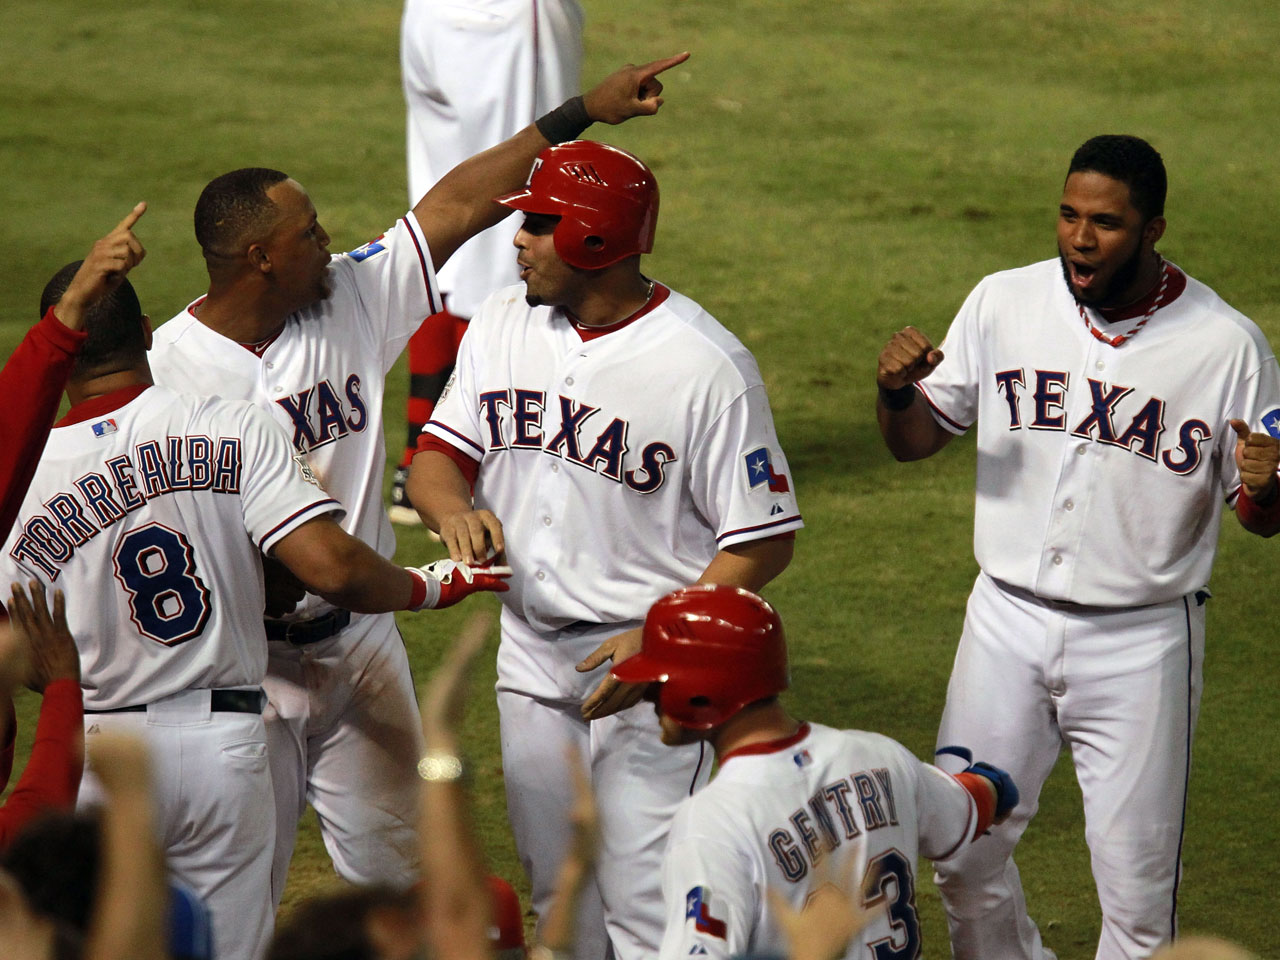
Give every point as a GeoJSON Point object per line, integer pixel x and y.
{"type": "Point", "coordinates": [1121, 280]}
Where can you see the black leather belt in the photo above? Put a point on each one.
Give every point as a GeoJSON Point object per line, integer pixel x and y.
{"type": "Point", "coordinates": [220, 701]}
{"type": "Point", "coordinates": [302, 632]}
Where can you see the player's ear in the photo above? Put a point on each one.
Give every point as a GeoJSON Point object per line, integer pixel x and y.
{"type": "Point", "coordinates": [1154, 230]}
{"type": "Point", "coordinates": [258, 257]}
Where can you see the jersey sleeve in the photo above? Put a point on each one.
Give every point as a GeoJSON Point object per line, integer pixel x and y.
{"type": "Point", "coordinates": [709, 900]}
{"type": "Point", "coordinates": [951, 390]}
{"type": "Point", "coordinates": [945, 811]}
{"type": "Point", "coordinates": [1256, 401]}
{"type": "Point", "coordinates": [739, 475]}
{"type": "Point", "coordinates": [394, 282]}
{"type": "Point", "coordinates": [278, 490]}
{"type": "Point", "coordinates": [456, 419]}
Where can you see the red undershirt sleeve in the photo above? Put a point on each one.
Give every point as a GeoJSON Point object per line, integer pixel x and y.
{"type": "Point", "coordinates": [1264, 521]}
{"type": "Point", "coordinates": [32, 382]}
{"type": "Point", "coordinates": [470, 468]}
{"type": "Point", "coordinates": [979, 788]}
{"type": "Point", "coordinates": [52, 776]}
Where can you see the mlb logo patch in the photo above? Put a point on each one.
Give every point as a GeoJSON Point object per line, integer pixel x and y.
{"type": "Point", "coordinates": [368, 250]}
{"type": "Point", "coordinates": [760, 470]}
{"type": "Point", "coordinates": [802, 759]}
{"type": "Point", "coordinates": [1271, 421]}
{"type": "Point", "coordinates": [104, 428]}
{"type": "Point", "coordinates": [697, 908]}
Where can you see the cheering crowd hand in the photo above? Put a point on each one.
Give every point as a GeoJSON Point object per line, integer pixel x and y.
{"type": "Point", "coordinates": [1257, 457]}
{"type": "Point", "coordinates": [907, 358]}
{"type": "Point", "coordinates": [103, 270]}
{"type": "Point", "coordinates": [632, 91]}
{"type": "Point", "coordinates": [445, 699]}
{"type": "Point", "coordinates": [49, 646]}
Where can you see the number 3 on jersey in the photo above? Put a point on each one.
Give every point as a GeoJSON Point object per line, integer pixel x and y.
{"type": "Point", "coordinates": [167, 601]}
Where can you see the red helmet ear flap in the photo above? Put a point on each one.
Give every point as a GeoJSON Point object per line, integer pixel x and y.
{"type": "Point", "coordinates": [606, 198]}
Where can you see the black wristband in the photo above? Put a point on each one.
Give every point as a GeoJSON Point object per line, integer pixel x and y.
{"type": "Point", "coordinates": [565, 122]}
{"type": "Point", "coordinates": [900, 399]}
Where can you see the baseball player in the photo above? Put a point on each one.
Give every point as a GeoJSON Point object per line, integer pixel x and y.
{"type": "Point", "coordinates": [153, 508]}
{"type": "Point", "coordinates": [309, 338]}
{"type": "Point", "coordinates": [620, 444]}
{"type": "Point", "coordinates": [715, 659]}
{"type": "Point", "coordinates": [474, 73]}
{"type": "Point", "coordinates": [1105, 453]}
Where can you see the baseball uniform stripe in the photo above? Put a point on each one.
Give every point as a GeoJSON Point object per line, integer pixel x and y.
{"type": "Point", "coordinates": [445, 433]}
{"type": "Point", "coordinates": [327, 505]}
{"type": "Point", "coordinates": [760, 526]}
{"type": "Point", "coordinates": [428, 279]}
{"type": "Point", "coordinates": [1186, 775]}
{"type": "Point", "coordinates": [947, 421]}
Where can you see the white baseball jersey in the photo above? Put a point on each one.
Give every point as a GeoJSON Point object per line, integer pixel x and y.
{"type": "Point", "coordinates": [1101, 470]}
{"type": "Point", "coordinates": [771, 815]}
{"type": "Point", "coordinates": [620, 464]}
{"type": "Point", "coordinates": [323, 378]}
{"type": "Point", "coordinates": [475, 72]}
{"type": "Point", "coordinates": [150, 510]}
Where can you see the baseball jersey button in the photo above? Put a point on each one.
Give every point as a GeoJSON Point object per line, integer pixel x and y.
{"type": "Point", "coordinates": [546, 521]}
{"type": "Point", "coordinates": [1080, 450]}
{"type": "Point", "coordinates": [555, 467]}
{"type": "Point", "coordinates": [1057, 559]}
{"type": "Point", "coordinates": [1100, 365]}
{"type": "Point", "coordinates": [540, 575]}
{"type": "Point", "coordinates": [568, 381]}
{"type": "Point", "coordinates": [1070, 505]}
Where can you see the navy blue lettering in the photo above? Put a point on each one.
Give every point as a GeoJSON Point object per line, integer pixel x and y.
{"type": "Point", "coordinates": [1008, 382]}
{"type": "Point", "coordinates": [359, 418]}
{"type": "Point", "coordinates": [527, 414]}
{"type": "Point", "coordinates": [652, 460]}
{"type": "Point", "coordinates": [1099, 418]}
{"type": "Point", "coordinates": [1192, 434]}
{"type": "Point", "coordinates": [333, 424]}
{"type": "Point", "coordinates": [489, 404]}
{"type": "Point", "coordinates": [838, 794]}
{"type": "Point", "coordinates": [72, 519]}
{"type": "Point", "coordinates": [1050, 386]}
{"type": "Point", "coordinates": [299, 410]}
{"type": "Point", "coordinates": [122, 472]}
{"type": "Point", "coordinates": [1145, 430]}
{"type": "Point", "coordinates": [787, 856]}
{"type": "Point", "coordinates": [609, 450]}
{"type": "Point", "coordinates": [869, 797]}
{"type": "Point", "coordinates": [152, 470]}
{"type": "Point", "coordinates": [226, 470]}
{"type": "Point", "coordinates": [572, 417]}
{"type": "Point", "coordinates": [97, 494]}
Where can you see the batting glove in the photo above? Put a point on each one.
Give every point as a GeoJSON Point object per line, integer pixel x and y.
{"type": "Point", "coordinates": [1006, 790]}
{"type": "Point", "coordinates": [444, 583]}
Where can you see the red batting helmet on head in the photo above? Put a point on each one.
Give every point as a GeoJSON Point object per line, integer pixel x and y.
{"type": "Point", "coordinates": [714, 650]}
{"type": "Point", "coordinates": [606, 199]}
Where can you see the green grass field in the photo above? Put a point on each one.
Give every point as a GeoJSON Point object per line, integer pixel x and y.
{"type": "Point", "coordinates": [831, 171]}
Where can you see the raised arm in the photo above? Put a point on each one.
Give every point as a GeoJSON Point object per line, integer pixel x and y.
{"type": "Point", "coordinates": [461, 204]}
{"type": "Point", "coordinates": [908, 428]}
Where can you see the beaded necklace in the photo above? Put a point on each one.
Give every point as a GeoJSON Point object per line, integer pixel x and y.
{"type": "Point", "coordinates": [1151, 312]}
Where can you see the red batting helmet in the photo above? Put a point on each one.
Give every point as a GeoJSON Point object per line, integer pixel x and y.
{"type": "Point", "coordinates": [714, 649]}
{"type": "Point", "coordinates": [607, 201]}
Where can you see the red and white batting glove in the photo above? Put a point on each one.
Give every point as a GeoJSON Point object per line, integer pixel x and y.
{"type": "Point", "coordinates": [444, 583]}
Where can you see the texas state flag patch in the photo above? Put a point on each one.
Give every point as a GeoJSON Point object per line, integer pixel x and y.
{"type": "Point", "coordinates": [697, 907]}
{"type": "Point", "coordinates": [368, 250]}
{"type": "Point", "coordinates": [760, 470]}
{"type": "Point", "coordinates": [1271, 421]}
{"type": "Point", "coordinates": [104, 428]}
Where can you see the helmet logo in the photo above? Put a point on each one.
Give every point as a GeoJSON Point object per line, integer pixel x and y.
{"type": "Point", "coordinates": [584, 173]}
{"type": "Point", "coordinates": [537, 163]}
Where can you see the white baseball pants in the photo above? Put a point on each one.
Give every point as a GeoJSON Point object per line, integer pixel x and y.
{"type": "Point", "coordinates": [475, 72]}
{"type": "Point", "coordinates": [345, 736]}
{"type": "Point", "coordinates": [638, 784]}
{"type": "Point", "coordinates": [213, 801]}
{"type": "Point", "coordinates": [1121, 688]}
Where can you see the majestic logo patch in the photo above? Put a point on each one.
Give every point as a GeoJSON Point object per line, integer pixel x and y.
{"type": "Point", "coordinates": [368, 250]}
{"type": "Point", "coordinates": [104, 428]}
{"type": "Point", "coordinates": [1272, 422]}
{"type": "Point", "coordinates": [697, 908]}
{"type": "Point", "coordinates": [697, 950]}
{"type": "Point", "coordinates": [760, 470]}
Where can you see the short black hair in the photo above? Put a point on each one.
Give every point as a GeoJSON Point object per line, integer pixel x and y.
{"type": "Point", "coordinates": [113, 324]}
{"type": "Point", "coordinates": [234, 208]}
{"type": "Point", "coordinates": [1132, 161]}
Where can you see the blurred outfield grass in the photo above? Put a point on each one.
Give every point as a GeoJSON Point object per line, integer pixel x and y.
{"type": "Point", "coordinates": [831, 171]}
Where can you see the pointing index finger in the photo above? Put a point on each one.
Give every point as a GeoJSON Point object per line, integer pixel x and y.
{"type": "Point", "coordinates": [133, 216]}
{"type": "Point", "coordinates": [655, 67]}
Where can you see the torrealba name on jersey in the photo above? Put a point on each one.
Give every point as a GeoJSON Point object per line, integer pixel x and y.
{"type": "Point", "coordinates": [126, 483]}
{"type": "Point", "coordinates": [830, 810]}
{"type": "Point", "coordinates": [606, 454]}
